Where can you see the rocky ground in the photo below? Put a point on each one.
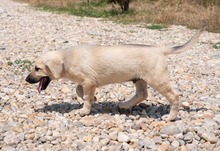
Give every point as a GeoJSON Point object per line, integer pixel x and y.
{"type": "Point", "coordinates": [31, 121]}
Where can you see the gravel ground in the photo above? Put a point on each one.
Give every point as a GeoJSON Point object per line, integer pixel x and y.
{"type": "Point", "coordinates": [31, 121]}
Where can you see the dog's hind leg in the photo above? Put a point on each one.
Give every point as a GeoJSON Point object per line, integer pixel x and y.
{"type": "Point", "coordinates": [163, 87]}
{"type": "Point", "coordinates": [141, 94]}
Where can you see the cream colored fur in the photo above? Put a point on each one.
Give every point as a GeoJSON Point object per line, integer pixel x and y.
{"type": "Point", "coordinates": [95, 66]}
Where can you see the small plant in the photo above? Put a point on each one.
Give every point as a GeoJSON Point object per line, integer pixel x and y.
{"type": "Point", "coordinates": [91, 9]}
{"type": "Point", "coordinates": [216, 45]}
{"type": "Point", "coordinates": [20, 65]}
{"type": "Point", "coordinates": [156, 26]}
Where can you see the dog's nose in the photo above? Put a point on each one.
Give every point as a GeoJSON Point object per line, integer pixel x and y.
{"type": "Point", "coordinates": [27, 79]}
{"type": "Point", "coordinates": [32, 79]}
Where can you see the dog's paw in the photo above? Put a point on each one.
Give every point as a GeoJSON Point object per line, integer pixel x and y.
{"type": "Point", "coordinates": [124, 110]}
{"type": "Point", "coordinates": [123, 105]}
{"type": "Point", "coordinates": [168, 118]}
{"type": "Point", "coordinates": [83, 112]}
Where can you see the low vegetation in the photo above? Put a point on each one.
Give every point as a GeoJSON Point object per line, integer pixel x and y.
{"type": "Point", "coordinates": [216, 45]}
{"type": "Point", "coordinates": [191, 13]}
{"type": "Point", "coordinates": [156, 26]}
{"type": "Point", "coordinates": [20, 65]}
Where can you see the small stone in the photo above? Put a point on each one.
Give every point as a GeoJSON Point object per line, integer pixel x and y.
{"type": "Point", "coordinates": [166, 142]}
{"type": "Point", "coordinates": [163, 147]}
{"type": "Point", "coordinates": [38, 122]}
{"type": "Point", "coordinates": [157, 140]}
{"type": "Point", "coordinates": [144, 113]}
{"type": "Point", "coordinates": [68, 142]}
{"type": "Point", "coordinates": [217, 118]}
{"type": "Point", "coordinates": [123, 137]}
{"type": "Point", "coordinates": [164, 136]}
{"type": "Point", "coordinates": [110, 124]}
{"type": "Point", "coordinates": [217, 96]}
{"type": "Point", "coordinates": [80, 145]}
{"type": "Point", "coordinates": [158, 124]}
{"type": "Point", "coordinates": [96, 139]}
{"type": "Point", "coordinates": [182, 142]}
{"type": "Point", "coordinates": [134, 142]}
{"type": "Point", "coordinates": [170, 130]}
{"type": "Point", "coordinates": [179, 136]}
{"type": "Point", "coordinates": [175, 143]}
{"type": "Point", "coordinates": [32, 116]}
{"type": "Point", "coordinates": [56, 133]}
{"type": "Point", "coordinates": [198, 122]}
{"type": "Point", "coordinates": [144, 126]}
{"type": "Point", "coordinates": [18, 129]}
{"type": "Point", "coordinates": [29, 136]}
{"type": "Point", "coordinates": [87, 138]}
{"type": "Point", "coordinates": [210, 123]}
{"type": "Point", "coordinates": [113, 135]}
{"type": "Point", "coordinates": [49, 138]}
{"type": "Point", "coordinates": [49, 133]}
{"type": "Point", "coordinates": [200, 130]}
{"type": "Point", "coordinates": [192, 147]}
{"type": "Point", "coordinates": [54, 142]}
{"type": "Point", "coordinates": [217, 148]}
{"type": "Point", "coordinates": [8, 148]}
{"type": "Point", "coordinates": [209, 137]}
{"type": "Point", "coordinates": [153, 110]}
{"type": "Point", "coordinates": [65, 89]}
{"type": "Point", "coordinates": [21, 136]}
{"type": "Point", "coordinates": [183, 148]}
{"type": "Point", "coordinates": [88, 120]}
{"type": "Point", "coordinates": [147, 142]}
{"type": "Point", "coordinates": [143, 105]}
{"type": "Point", "coordinates": [197, 137]}
{"type": "Point", "coordinates": [186, 105]}
{"type": "Point", "coordinates": [104, 141]}
{"type": "Point", "coordinates": [188, 137]}
{"type": "Point", "coordinates": [209, 146]}
{"type": "Point", "coordinates": [125, 146]}
{"type": "Point", "coordinates": [2, 48]}
{"type": "Point", "coordinates": [11, 139]}
{"type": "Point", "coordinates": [208, 115]}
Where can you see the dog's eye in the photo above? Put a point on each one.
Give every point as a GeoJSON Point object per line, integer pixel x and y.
{"type": "Point", "coordinates": [37, 69]}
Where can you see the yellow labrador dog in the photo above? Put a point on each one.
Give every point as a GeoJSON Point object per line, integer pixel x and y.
{"type": "Point", "coordinates": [92, 66]}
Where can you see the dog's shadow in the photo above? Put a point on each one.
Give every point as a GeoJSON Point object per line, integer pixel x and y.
{"type": "Point", "coordinates": [144, 110]}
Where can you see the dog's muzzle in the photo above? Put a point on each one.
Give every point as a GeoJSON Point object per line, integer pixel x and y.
{"type": "Point", "coordinates": [44, 81]}
{"type": "Point", "coordinates": [32, 79]}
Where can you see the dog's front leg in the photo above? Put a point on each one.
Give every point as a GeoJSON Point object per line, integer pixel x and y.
{"type": "Point", "coordinates": [88, 97]}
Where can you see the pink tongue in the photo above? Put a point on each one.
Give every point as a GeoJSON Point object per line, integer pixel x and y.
{"type": "Point", "coordinates": [40, 85]}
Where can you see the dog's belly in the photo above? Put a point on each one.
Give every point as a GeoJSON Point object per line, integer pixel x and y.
{"type": "Point", "coordinates": [115, 78]}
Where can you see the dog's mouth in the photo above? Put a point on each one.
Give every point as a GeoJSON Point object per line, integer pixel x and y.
{"type": "Point", "coordinates": [44, 82]}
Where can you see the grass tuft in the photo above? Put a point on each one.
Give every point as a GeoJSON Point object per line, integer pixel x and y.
{"type": "Point", "coordinates": [216, 45]}
{"type": "Point", "coordinates": [20, 65]}
{"type": "Point", "coordinates": [156, 26]}
{"type": "Point", "coordinates": [92, 9]}
{"type": "Point", "coordinates": [168, 12]}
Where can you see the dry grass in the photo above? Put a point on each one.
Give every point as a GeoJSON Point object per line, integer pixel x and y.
{"type": "Point", "coordinates": [182, 12]}
{"type": "Point", "coordinates": [191, 13]}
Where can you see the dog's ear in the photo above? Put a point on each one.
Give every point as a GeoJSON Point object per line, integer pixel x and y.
{"type": "Point", "coordinates": [55, 67]}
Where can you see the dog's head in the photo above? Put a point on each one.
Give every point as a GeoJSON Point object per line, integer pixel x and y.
{"type": "Point", "coordinates": [47, 67]}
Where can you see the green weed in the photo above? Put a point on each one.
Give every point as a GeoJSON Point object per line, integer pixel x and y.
{"type": "Point", "coordinates": [20, 65]}
{"type": "Point", "coordinates": [92, 9]}
{"type": "Point", "coordinates": [216, 45]}
{"type": "Point", "coordinates": [156, 26]}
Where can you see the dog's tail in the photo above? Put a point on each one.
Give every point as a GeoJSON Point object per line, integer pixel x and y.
{"type": "Point", "coordinates": [187, 45]}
